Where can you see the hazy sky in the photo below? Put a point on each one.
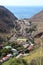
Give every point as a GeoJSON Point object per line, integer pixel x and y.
{"type": "Point", "coordinates": [22, 2]}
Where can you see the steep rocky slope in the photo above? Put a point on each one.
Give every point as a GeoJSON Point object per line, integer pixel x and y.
{"type": "Point", "coordinates": [7, 20]}
{"type": "Point", "coordinates": [38, 20]}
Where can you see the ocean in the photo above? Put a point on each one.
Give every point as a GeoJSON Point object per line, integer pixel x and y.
{"type": "Point", "coordinates": [24, 11]}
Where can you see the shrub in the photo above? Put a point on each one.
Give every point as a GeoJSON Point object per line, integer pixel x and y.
{"type": "Point", "coordinates": [14, 61]}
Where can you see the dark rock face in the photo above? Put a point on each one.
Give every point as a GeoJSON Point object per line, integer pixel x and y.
{"type": "Point", "coordinates": [7, 20]}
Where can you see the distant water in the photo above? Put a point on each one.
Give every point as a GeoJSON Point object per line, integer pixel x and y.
{"type": "Point", "coordinates": [24, 12]}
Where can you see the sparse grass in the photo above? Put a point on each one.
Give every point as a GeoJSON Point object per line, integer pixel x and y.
{"type": "Point", "coordinates": [34, 54]}
{"type": "Point", "coordinates": [38, 61]}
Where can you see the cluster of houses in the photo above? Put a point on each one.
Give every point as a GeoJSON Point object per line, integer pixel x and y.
{"type": "Point", "coordinates": [20, 53]}
{"type": "Point", "coordinates": [7, 57]}
{"type": "Point", "coordinates": [28, 45]}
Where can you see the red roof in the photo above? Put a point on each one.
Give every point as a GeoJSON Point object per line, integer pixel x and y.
{"type": "Point", "coordinates": [30, 47]}
{"type": "Point", "coordinates": [5, 58]}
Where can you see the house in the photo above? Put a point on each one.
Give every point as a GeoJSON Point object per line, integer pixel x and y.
{"type": "Point", "coordinates": [20, 55]}
{"type": "Point", "coordinates": [9, 55]}
{"type": "Point", "coordinates": [15, 54]}
{"type": "Point", "coordinates": [13, 50]}
{"type": "Point", "coordinates": [30, 47]}
{"type": "Point", "coordinates": [7, 47]}
{"type": "Point", "coordinates": [21, 41]}
{"type": "Point", "coordinates": [26, 45]}
{"type": "Point", "coordinates": [5, 58]}
{"type": "Point", "coordinates": [25, 54]}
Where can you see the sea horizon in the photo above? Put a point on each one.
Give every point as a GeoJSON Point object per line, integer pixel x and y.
{"type": "Point", "coordinates": [24, 11]}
